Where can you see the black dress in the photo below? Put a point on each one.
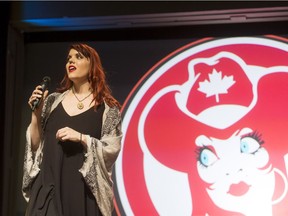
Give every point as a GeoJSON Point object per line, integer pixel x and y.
{"type": "Point", "coordinates": [60, 189]}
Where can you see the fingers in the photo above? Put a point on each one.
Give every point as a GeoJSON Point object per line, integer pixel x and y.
{"type": "Point", "coordinates": [67, 133]}
{"type": "Point", "coordinates": [37, 94]}
{"type": "Point", "coordinates": [61, 134]}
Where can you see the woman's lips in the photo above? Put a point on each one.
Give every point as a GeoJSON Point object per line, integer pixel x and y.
{"type": "Point", "coordinates": [239, 189]}
{"type": "Point", "coordinates": [71, 68]}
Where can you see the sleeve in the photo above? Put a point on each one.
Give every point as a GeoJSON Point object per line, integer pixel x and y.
{"type": "Point", "coordinates": [100, 157]}
{"type": "Point", "coordinates": [33, 159]}
{"type": "Point", "coordinates": [31, 168]}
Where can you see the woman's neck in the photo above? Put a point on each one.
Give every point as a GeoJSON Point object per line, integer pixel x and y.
{"type": "Point", "coordinates": [81, 88]}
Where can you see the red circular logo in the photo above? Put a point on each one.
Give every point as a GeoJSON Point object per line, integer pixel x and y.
{"type": "Point", "coordinates": [205, 132]}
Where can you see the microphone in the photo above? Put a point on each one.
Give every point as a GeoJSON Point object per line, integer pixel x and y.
{"type": "Point", "coordinates": [44, 86]}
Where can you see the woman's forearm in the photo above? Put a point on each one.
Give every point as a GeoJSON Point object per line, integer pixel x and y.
{"type": "Point", "coordinates": [35, 132]}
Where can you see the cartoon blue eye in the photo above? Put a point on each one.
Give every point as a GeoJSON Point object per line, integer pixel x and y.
{"type": "Point", "coordinates": [207, 157]}
{"type": "Point", "coordinates": [249, 145]}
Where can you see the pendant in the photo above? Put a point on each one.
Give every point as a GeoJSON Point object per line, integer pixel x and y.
{"type": "Point", "coordinates": [80, 105]}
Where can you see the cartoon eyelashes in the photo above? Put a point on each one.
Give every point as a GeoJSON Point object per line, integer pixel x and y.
{"type": "Point", "coordinates": [206, 156]}
{"type": "Point", "coordinates": [249, 144]}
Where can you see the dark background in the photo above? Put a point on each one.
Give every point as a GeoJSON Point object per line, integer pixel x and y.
{"type": "Point", "coordinates": [130, 36]}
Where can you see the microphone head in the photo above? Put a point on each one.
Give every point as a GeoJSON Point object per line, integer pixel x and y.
{"type": "Point", "coordinates": [46, 79]}
{"type": "Point", "coordinates": [45, 83]}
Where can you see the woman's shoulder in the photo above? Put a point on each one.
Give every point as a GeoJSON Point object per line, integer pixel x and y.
{"type": "Point", "coordinates": [111, 108]}
{"type": "Point", "coordinates": [52, 98]}
{"type": "Point", "coordinates": [112, 112]}
{"type": "Point", "coordinates": [55, 95]}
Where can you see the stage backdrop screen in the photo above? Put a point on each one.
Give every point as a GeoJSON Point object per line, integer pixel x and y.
{"type": "Point", "coordinates": [204, 131]}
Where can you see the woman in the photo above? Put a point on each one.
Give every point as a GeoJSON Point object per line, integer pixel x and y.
{"type": "Point", "coordinates": [73, 141]}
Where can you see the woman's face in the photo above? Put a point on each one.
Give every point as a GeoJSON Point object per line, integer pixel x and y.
{"type": "Point", "coordinates": [237, 171]}
{"type": "Point", "coordinates": [77, 66]}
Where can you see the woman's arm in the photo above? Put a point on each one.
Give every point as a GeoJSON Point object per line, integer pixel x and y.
{"type": "Point", "coordinates": [35, 125]}
{"type": "Point", "coordinates": [34, 145]}
{"type": "Point", "coordinates": [35, 132]}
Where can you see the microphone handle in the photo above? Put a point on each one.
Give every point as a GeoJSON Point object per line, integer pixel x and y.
{"type": "Point", "coordinates": [37, 101]}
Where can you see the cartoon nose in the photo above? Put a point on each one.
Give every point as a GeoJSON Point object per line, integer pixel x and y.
{"type": "Point", "coordinates": [231, 172]}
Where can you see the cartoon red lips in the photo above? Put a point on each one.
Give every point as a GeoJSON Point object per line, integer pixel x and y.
{"type": "Point", "coordinates": [239, 189]}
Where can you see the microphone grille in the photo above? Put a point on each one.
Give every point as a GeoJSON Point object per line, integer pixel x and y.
{"type": "Point", "coordinates": [46, 79]}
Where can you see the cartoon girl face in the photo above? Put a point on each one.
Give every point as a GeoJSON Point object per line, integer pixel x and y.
{"type": "Point", "coordinates": [237, 172]}
{"type": "Point", "coordinates": [219, 87]}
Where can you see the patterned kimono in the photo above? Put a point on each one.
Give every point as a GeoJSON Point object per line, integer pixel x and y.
{"type": "Point", "coordinates": [99, 156]}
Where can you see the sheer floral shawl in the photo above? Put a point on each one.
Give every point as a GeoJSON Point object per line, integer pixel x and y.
{"type": "Point", "coordinates": [100, 155]}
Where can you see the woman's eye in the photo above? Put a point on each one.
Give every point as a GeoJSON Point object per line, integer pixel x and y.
{"type": "Point", "coordinates": [79, 56]}
{"type": "Point", "coordinates": [207, 157]}
{"type": "Point", "coordinates": [249, 145]}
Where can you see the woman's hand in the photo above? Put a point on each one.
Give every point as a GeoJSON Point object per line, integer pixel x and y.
{"type": "Point", "coordinates": [67, 133]}
{"type": "Point", "coordinates": [37, 94]}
